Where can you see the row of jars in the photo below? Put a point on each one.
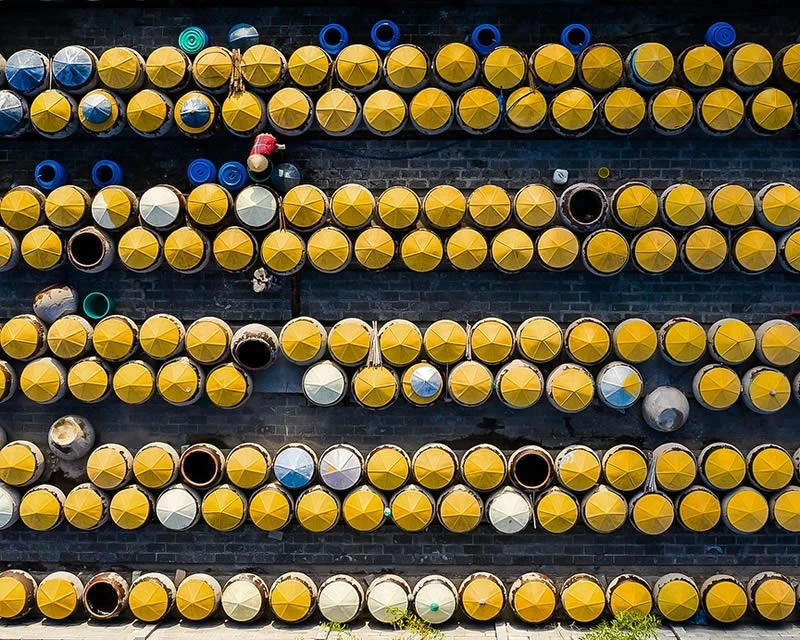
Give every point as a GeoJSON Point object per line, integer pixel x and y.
{"type": "Point", "coordinates": [431, 111]}
{"type": "Point", "coordinates": [534, 598]}
{"type": "Point", "coordinates": [662, 484]}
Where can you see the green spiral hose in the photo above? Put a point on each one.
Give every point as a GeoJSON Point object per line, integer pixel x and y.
{"type": "Point", "coordinates": [193, 40]}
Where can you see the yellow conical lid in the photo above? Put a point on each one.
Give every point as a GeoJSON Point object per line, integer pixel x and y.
{"type": "Point", "coordinates": [400, 342]}
{"type": "Point", "coordinates": [601, 67]}
{"type": "Point", "coordinates": [223, 509]}
{"type": "Point", "coordinates": [625, 469]}
{"type": "Point", "coordinates": [653, 63]}
{"type": "Point", "coordinates": [702, 66]}
{"type": "Point", "coordinates": [18, 464]}
{"type": "Point", "coordinates": [775, 599]}
{"type": "Point", "coordinates": [512, 250]}
{"type": "Point", "coordinates": [678, 600]}
{"type": "Point", "coordinates": [107, 467]}
{"type": "Point", "coordinates": [357, 65]}
{"type": "Point", "coordinates": [557, 511]}
{"type": "Point", "coordinates": [289, 108]}
{"type": "Point", "coordinates": [557, 247]}
{"type": "Point", "coordinates": [21, 337]}
{"type": "Point", "coordinates": [588, 342]}
{"type": "Point", "coordinates": [160, 336]}
{"type": "Point", "coordinates": [606, 251]}
{"type": "Point", "coordinates": [571, 388]}
{"type": "Point", "coordinates": [20, 209]}
{"type": "Point", "coordinates": [484, 468]}
{"type": "Point", "coordinates": [375, 387]}
{"type": "Point", "coordinates": [653, 513]}
{"type": "Point", "coordinates": [478, 108]}
{"type": "Point", "coordinates": [725, 601]}
{"type": "Point", "coordinates": [672, 108]}
{"type": "Point", "coordinates": [412, 509]}
{"type": "Point", "coordinates": [636, 205]}
{"type": "Point", "coordinates": [247, 467]}
{"type": "Point", "coordinates": [317, 510]}
{"type": "Point", "coordinates": [722, 109]}
{"type": "Point", "coordinates": [630, 595]}
{"type": "Point", "coordinates": [431, 109]}
{"type": "Point", "coordinates": [421, 378]}
{"type": "Point", "coordinates": [65, 206]}
{"type": "Point", "coordinates": [56, 598]}
{"type": "Point", "coordinates": [520, 386]}
{"type": "Point", "coordinates": [147, 111]}
{"type": "Point", "coordinates": [790, 64]}
{"type": "Point", "coordinates": [406, 66]}
{"type": "Point", "coordinates": [166, 67]}
{"type": "Point", "coordinates": [583, 600]}
{"type": "Point", "coordinates": [470, 383]}
{"type": "Point", "coordinates": [196, 599]}
{"type": "Point", "coordinates": [154, 466]}
{"type": "Point", "coordinates": [119, 68]}
{"type": "Point", "coordinates": [655, 251]}
{"type": "Point", "coordinates": [786, 510]}
{"type": "Point", "coordinates": [42, 248]}
{"type": "Point", "coordinates": [504, 68]}
{"type": "Point", "coordinates": [699, 510]}
{"type": "Point", "coordinates": [304, 206]}
{"type": "Point", "coordinates": [41, 381]}
{"type": "Point", "coordinates": [635, 340]}
{"type": "Point", "coordinates": [734, 341]}
{"type": "Point", "coordinates": [14, 599]}
{"type": "Point", "coordinates": [51, 111]}
{"type": "Point", "coordinates": [270, 509]}
{"type": "Point", "coordinates": [352, 205]}
{"type": "Point", "coordinates": [540, 339]}
{"type": "Point", "coordinates": [111, 207]}
{"type": "Point", "coordinates": [309, 66]}
{"type": "Point", "coordinates": [489, 206]}
{"type": "Point", "coordinates": [302, 340]}
{"type": "Point", "coordinates": [364, 509]}
{"type": "Point", "coordinates": [755, 250]}
{"type": "Point", "coordinates": [772, 109]}
{"type": "Point", "coordinates": [88, 380]}
{"type": "Point", "coordinates": [387, 468]}
{"type": "Point", "coordinates": [7, 248]}
{"type": "Point", "coordinates": [444, 206]}
{"type": "Point", "coordinates": [781, 205]}
{"type": "Point", "coordinates": [349, 341]}
{"type": "Point", "coordinates": [114, 338]}
{"type": "Point", "coordinates": [148, 601]}
{"type": "Point", "coordinates": [227, 386]}
{"type": "Point", "coordinates": [604, 510]}
{"type": "Point", "coordinates": [526, 108]}
{"type": "Point", "coordinates": [421, 250]}
{"type": "Point", "coordinates": [336, 110]}
{"type": "Point", "coordinates": [733, 205]}
{"type": "Point", "coordinates": [84, 508]}
{"type": "Point", "coordinates": [780, 344]}
{"type": "Point", "coordinates": [751, 64]}
{"type": "Point", "coordinates": [398, 207]}
{"type": "Point", "coordinates": [242, 112]}
{"type": "Point", "coordinates": [466, 249]}
{"type": "Point", "coordinates": [111, 115]}
{"type": "Point", "coordinates": [769, 390]}
{"type": "Point", "coordinates": [329, 249]}
{"type": "Point", "coordinates": [385, 111]}
{"type": "Point", "coordinates": [460, 510]}
{"type": "Point", "coordinates": [40, 509]}
{"type": "Point", "coordinates": [553, 64]}
{"type": "Point", "coordinates": [724, 468]}
{"type": "Point", "coordinates": [374, 248]}
{"type": "Point", "coordinates": [184, 249]}
{"type": "Point", "coordinates": [177, 381]}
{"type": "Point", "coordinates": [445, 341]}
{"type": "Point", "coordinates": [719, 387]}
{"type": "Point", "coordinates": [772, 468]}
{"type": "Point", "coordinates": [434, 467]}
{"type": "Point", "coordinates": [624, 109]}
{"type": "Point", "coordinates": [262, 65]}
{"type": "Point", "coordinates": [283, 251]}
{"type": "Point", "coordinates": [455, 63]}
{"type": "Point", "coordinates": [579, 470]}
{"type": "Point", "coordinates": [572, 109]}
{"type": "Point", "coordinates": [534, 601]}
{"type": "Point", "coordinates": [705, 248]}
{"type": "Point", "coordinates": [212, 67]}
{"type": "Point", "coordinates": [483, 597]}
{"type": "Point", "coordinates": [290, 599]}
{"type": "Point", "coordinates": [208, 204]}
{"type": "Point", "coordinates": [685, 341]}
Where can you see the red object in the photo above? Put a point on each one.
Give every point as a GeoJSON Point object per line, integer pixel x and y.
{"type": "Point", "coordinates": [265, 144]}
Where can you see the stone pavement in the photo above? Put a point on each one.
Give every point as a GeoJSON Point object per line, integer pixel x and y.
{"type": "Point", "coordinates": [37, 630]}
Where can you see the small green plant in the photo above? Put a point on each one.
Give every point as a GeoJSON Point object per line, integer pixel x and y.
{"type": "Point", "coordinates": [628, 625]}
{"type": "Point", "coordinates": [339, 631]}
{"type": "Point", "coordinates": [414, 627]}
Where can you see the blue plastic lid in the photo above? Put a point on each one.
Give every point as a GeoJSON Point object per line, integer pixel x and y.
{"type": "Point", "coordinates": [72, 67]}
{"type": "Point", "coordinates": [96, 108]}
{"type": "Point", "coordinates": [242, 35]}
{"type": "Point", "coordinates": [721, 35]}
{"type": "Point", "coordinates": [201, 171]}
{"type": "Point", "coordinates": [12, 111]}
{"type": "Point", "coordinates": [25, 70]}
{"type": "Point", "coordinates": [195, 112]}
{"type": "Point", "coordinates": [232, 175]}
{"type": "Point", "coordinates": [294, 467]}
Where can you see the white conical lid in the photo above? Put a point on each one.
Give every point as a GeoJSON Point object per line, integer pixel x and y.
{"type": "Point", "coordinates": [620, 385]}
{"type": "Point", "coordinates": [159, 207]}
{"type": "Point", "coordinates": [9, 506]}
{"type": "Point", "coordinates": [242, 601]}
{"type": "Point", "coordinates": [340, 468]}
{"type": "Point", "coordinates": [177, 508]}
{"type": "Point", "coordinates": [256, 206]}
{"type": "Point", "coordinates": [294, 467]}
{"type": "Point", "coordinates": [324, 384]}
{"type": "Point", "coordinates": [435, 601]}
{"type": "Point", "coordinates": [339, 600]}
{"type": "Point", "coordinates": [509, 511]}
{"type": "Point", "coordinates": [386, 599]}
{"type": "Point", "coordinates": [426, 381]}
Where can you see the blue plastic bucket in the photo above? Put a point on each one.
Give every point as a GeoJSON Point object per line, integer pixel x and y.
{"type": "Point", "coordinates": [485, 38]}
{"type": "Point", "coordinates": [333, 38]}
{"type": "Point", "coordinates": [385, 35]}
{"type": "Point", "coordinates": [97, 306]}
{"type": "Point", "coordinates": [576, 37]}
{"type": "Point", "coordinates": [50, 174]}
{"type": "Point", "coordinates": [107, 172]}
